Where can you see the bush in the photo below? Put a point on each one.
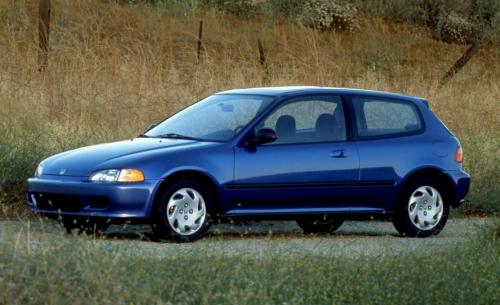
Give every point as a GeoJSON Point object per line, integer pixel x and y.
{"type": "Point", "coordinates": [451, 21]}
{"type": "Point", "coordinates": [243, 8]}
{"type": "Point", "coordinates": [329, 16]}
{"type": "Point", "coordinates": [256, 8]}
{"type": "Point", "coordinates": [454, 28]}
{"type": "Point", "coordinates": [398, 10]}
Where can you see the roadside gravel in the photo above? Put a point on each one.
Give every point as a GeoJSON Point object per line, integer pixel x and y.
{"type": "Point", "coordinates": [354, 239]}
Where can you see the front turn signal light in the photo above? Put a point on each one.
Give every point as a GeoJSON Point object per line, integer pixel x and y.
{"type": "Point", "coordinates": [131, 175]}
{"type": "Point", "coordinates": [459, 155]}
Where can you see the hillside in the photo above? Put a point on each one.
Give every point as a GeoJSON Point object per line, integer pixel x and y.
{"type": "Point", "coordinates": [114, 69]}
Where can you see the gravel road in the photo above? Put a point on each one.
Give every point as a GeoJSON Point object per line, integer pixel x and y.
{"type": "Point", "coordinates": [354, 239]}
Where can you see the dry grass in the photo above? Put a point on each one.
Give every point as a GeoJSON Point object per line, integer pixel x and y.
{"type": "Point", "coordinates": [114, 69]}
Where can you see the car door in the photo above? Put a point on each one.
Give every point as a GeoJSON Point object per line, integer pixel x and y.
{"type": "Point", "coordinates": [388, 136]}
{"type": "Point", "coordinates": [311, 167]}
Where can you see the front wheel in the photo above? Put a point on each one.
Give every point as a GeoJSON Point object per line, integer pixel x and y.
{"type": "Point", "coordinates": [182, 212]}
{"type": "Point", "coordinates": [320, 225]}
{"type": "Point", "coordinates": [423, 209]}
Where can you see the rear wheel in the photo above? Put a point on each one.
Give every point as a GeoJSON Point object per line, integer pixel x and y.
{"type": "Point", "coordinates": [182, 212]}
{"type": "Point", "coordinates": [327, 224]}
{"type": "Point", "coordinates": [423, 209]}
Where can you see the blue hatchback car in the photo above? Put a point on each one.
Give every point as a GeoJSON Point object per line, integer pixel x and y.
{"type": "Point", "coordinates": [311, 154]}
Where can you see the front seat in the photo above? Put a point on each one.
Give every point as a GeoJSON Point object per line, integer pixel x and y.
{"type": "Point", "coordinates": [285, 127]}
{"type": "Point", "coordinates": [325, 127]}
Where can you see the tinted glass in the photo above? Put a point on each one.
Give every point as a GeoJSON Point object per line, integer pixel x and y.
{"type": "Point", "coordinates": [216, 118]}
{"type": "Point", "coordinates": [378, 117]}
{"type": "Point", "coordinates": [319, 119]}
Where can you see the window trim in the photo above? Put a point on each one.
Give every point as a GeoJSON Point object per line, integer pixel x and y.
{"type": "Point", "coordinates": [297, 98]}
{"type": "Point", "coordinates": [353, 114]}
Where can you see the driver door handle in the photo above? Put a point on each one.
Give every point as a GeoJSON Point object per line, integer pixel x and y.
{"type": "Point", "coordinates": [339, 153]}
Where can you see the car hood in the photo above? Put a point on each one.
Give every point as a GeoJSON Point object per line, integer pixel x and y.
{"type": "Point", "coordinates": [83, 161]}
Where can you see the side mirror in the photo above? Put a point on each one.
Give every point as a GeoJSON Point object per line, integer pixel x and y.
{"type": "Point", "coordinates": [262, 136]}
{"type": "Point", "coordinates": [151, 126]}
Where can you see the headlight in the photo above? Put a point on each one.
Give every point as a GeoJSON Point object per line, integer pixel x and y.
{"type": "Point", "coordinates": [117, 175]}
{"type": "Point", "coordinates": [39, 170]}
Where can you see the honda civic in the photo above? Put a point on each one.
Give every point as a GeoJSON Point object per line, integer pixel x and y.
{"type": "Point", "coordinates": [310, 154]}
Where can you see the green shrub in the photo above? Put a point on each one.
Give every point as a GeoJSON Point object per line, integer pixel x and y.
{"type": "Point", "coordinates": [450, 20]}
{"type": "Point", "coordinates": [329, 16]}
{"type": "Point", "coordinates": [398, 10]}
{"type": "Point", "coordinates": [453, 28]}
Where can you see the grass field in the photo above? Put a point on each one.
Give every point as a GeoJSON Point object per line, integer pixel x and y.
{"type": "Point", "coordinates": [42, 266]}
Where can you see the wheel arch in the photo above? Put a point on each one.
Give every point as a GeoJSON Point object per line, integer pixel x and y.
{"type": "Point", "coordinates": [433, 173]}
{"type": "Point", "coordinates": [191, 174]}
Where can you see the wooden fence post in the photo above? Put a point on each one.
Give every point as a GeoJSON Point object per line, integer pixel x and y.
{"type": "Point", "coordinates": [460, 63]}
{"type": "Point", "coordinates": [263, 62]}
{"type": "Point", "coordinates": [199, 48]}
{"type": "Point", "coordinates": [43, 34]}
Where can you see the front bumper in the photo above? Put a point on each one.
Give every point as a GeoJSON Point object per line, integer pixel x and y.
{"type": "Point", "coordinates": [461, 183]}
{"type": "Point", "coordinates": [55, 196]}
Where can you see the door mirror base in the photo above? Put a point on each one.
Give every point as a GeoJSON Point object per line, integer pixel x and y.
{"type": "Point", "coordinates": [262, 136]}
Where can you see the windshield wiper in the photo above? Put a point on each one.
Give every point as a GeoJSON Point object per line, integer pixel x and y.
{"type": "Point", "coordinates": [177, 136]}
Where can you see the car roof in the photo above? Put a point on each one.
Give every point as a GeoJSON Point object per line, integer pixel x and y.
{"type": "Point", "coordinates": [299, 90]}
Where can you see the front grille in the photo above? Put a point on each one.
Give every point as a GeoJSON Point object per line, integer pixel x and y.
{"type": "Point", "coordinates": [97, 202]}
{"type": "Point", "coordinates": [65, 203]}
{"type": "Point", "coordinates": [69, 203]}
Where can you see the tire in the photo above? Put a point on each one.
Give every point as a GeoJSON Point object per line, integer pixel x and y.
{"type": "Point", "coordinates": [87, 226]}
{"type": "Point", "coordinates": [183, 212]}
{"type": "Point", "coordinates": [320, 225]}
{"type": "Point", "coordinates": [422, 209]}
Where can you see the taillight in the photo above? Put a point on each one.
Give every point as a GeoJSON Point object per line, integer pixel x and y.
{"type": "Point", "coordinates": [459, 155]}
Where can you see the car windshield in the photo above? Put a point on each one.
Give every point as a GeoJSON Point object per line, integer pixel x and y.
{"type": "Point", "coordinates": [216, 118]}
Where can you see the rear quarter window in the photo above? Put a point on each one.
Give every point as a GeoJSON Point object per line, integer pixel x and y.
{"type": "Point", "coordinates": [376, 117]}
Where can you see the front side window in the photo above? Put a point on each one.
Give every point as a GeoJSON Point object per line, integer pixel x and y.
{"type": "Point", "coordinates": [216, 118]}
{"type": "Point", "coordinates": [307, 120]}
{"type": "Point", "coordinates": [381, 117]}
